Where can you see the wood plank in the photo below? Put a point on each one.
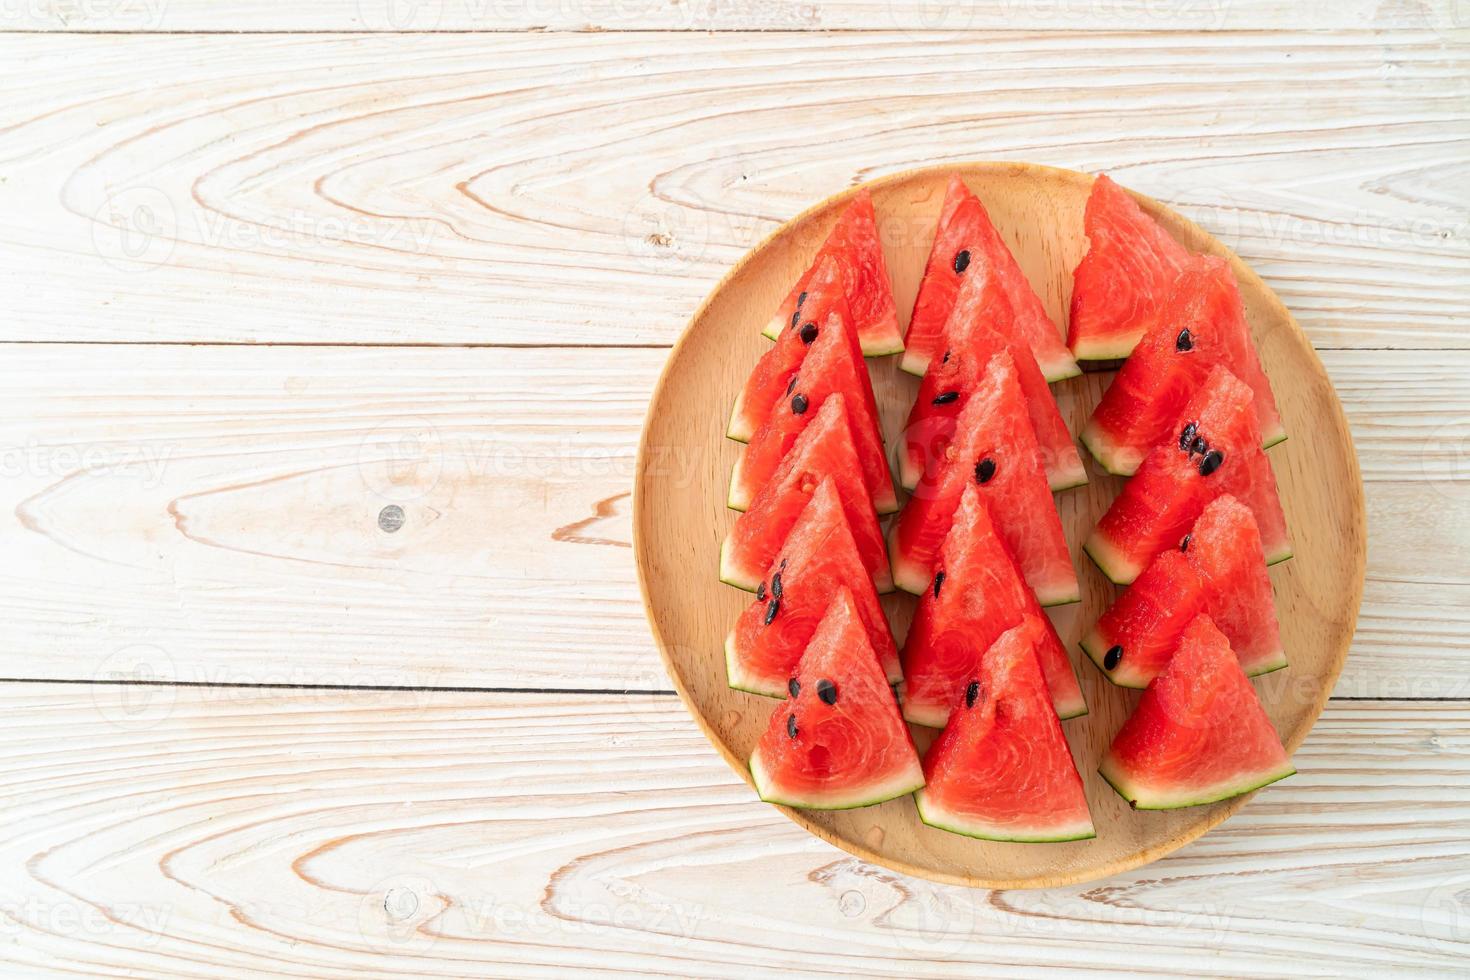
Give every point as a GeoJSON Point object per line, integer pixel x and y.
{"type": "Point", "coordinates": [326, 834]}
{"type": "Point", "coordinates": [210, 515]}
{"type": "Point", "coordinates": [509, 188]}
{"type": "Point", "coordinates": [609, 15]}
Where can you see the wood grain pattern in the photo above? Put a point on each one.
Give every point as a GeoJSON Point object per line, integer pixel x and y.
{"type": "Point", "coordinates": [213, 832]}
{"type": "Point", "coordinates": [220, 504]}
{"type": "Point", "coordinates": [678, 525]}
{"type": "Point", "coordinates": [588, 188]}
{"type": "Point", "coordinates": [708, 15]}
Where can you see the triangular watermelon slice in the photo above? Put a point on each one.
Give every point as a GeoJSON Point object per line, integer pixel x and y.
{"type": "Point", "coordinates": [965, 243]}
{"type": "Point", "coordinates": [1226, 550]}
{"type": "Point", "coordinates": [818, 558]}
{"type": "Point", "coordinates": [995, 449]}
{"type": "Point", "coordinates": [1214, 448]}
{"type": "Point", "coordinates": [1120, 283]}
{"type": "Point", "coordinates": [1202, 324]}
{"type": "Point", "coordinates": [1001, 770]}
{"type": "Point", "coordinates": [977, 595]}
{"type": "Point", "coordinates": [768, 383]}
{"type": "Point", "coordinates": [823, 451]}
{"type": "Point", "coordinates": [830, 367]}
{"type": "Point", "coordinates": [1219, 569]}
{"type": "Point", "coordinates": [839, 741]}
{"type": "Point", "coordinates": [979, 327]}
{"type": "Point", "coordinates": [854, 243]}
{"type": "Point", "coordinates": [1199, 733]}
{"type": "Point", "coordinates": [1135, 638]}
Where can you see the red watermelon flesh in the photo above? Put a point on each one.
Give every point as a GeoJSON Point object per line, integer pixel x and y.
{"type": "Point", "coordinates": [818, 558]}
{"type": "Point", "coordinates": [823, 451]}
{"type": "Point", "coordinates": [830, 367]}
{"type": "Point", "coordinates": [1225, 549]}
{"type": "Point", "coordinates": [767, 384]}
{"type": "Point", "coordinates": [1135, 638]}
{"type": "Point", "coordinates": [965, 243]}
{"type": "Point", "coordinates": [1202, 324]}
{"type": "Point", "coordinates": [979, 597]}
{"type": "Point", "coordinates": [1120, 283]}
{"type": "Point", "coordinates": [1219, 568]}
{"type": "Point", "coordinates": [977, 330]}
{"type": "Point", "coordinates": [854, 244]}
{"type": "Point", "coordinates": [839, 741]}
{"type": "Point", "coordinates": [1001, 770]}
{"type": "Point", "coordinates": [994, 448]}
{"type": "Point", "coordinates": [1161, 502]}
{"type": "Point", "coordinates": [1199, 733]}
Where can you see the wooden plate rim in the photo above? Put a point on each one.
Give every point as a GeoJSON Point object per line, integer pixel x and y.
{"type": "Point", "coordinates": [1244, 273]}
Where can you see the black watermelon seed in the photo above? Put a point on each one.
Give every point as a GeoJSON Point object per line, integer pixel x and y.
{"type": "Point", "coordinates": [938, 584]}
{"type": "Point", "coordinates": [798, 404]}
{"type": "Point", "coordinates": [801, 299]}
{"type": "Point", "coordinates": [776, 585]}
{"type": "Point", "coordinates": [944, 398]}
{"type": "Point", "coordinates": [961, 260]}
{"type": "Point", "coordinates": [795, 319]}
{"type": "Point", "coordinates": [1184, 341]}
{"type": "Point", "coordinates": [1211, 462]}
{"type": "Point", "coordinates": [945, 358]}
{"type": "Point", "coordinates": [793, 686]}
{"type": "Point", "coordinates": [791, 385]}
{"type": "Point", "coordinates": [984, 470]}
{"type": "Point", "coordinates": [1184, 542]}
{"type": "Point", "coordinates": [827, 691]}
{"type": "Point", "coordinates": [1199, 446]}
{"type": "Point", "coordinates": [781, 567]}
{"type": "Point", "coordinates": [791, 726]}
{"type": "Point", "coordinates": [1113, 658]}
{"type": "Point", "coordinates": [772, 607]}
{"type": "Point", "coordinates": [808, 332]}
{"type": "Point", "coordinates": [971, 693]}
{"type": "Point", "coordinates": [760, 592]}
{"type": "Point", "coordinates": [1186, 435]}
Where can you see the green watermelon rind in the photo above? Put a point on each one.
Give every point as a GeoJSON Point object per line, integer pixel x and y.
{"type": "Point", "coordinates": [956, 824]}
{"type": "Point", "coordinates": [737, 429]}
{"type": "Point", "coordinates": [1195, 796]}
{"type": "Point", "coordinates": [1069, 479]}
{"type": "Point", "coordinates": [928, 716]}
{"type": "Point", "coordinates": [734, 502]}
{"type": "Point", "coordinates": [895, 786]}
{"type": "Point", "coordinates": [729, 575]}
{"type": "Point", "coordinates": [889, 344]}
{"type": "Point", "coordinates": [1096, 648]}
{"type": "Point", "coordinates": [739, 681]}
{"type": "Point", "coordinates": [1117, 568]}
{"type": "Point", "coordinates": [732, 576]}
{"type": "Point", "coordinates": [915, 581]}
{"type": "Point", "coordinates": [1109, 457]}
{"type": "Point", "coordinates": [1099, 349]}
{"type": "Point", "coordinates": [1104, 453]}
{"type": "Point", "coordinates": [1059, 370]}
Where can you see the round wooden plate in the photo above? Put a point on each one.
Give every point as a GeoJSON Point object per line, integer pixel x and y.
{"type": "Point", "coordinates": [679, 518]}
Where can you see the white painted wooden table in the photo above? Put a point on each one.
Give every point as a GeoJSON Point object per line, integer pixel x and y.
{"type": "Point", "coordinates": [269, 269]}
